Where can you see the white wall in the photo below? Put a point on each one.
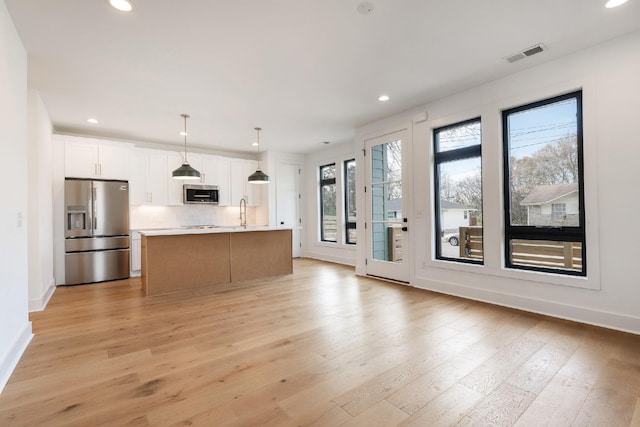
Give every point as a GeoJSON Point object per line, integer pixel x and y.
{"type": "Point", "coordinates": [40, 204]}
{"type": "Point", "coordinates": [608, 75]}
{"type": "Point", "coordinates": [15, 328]}
{"type": "Point", "coordinates": [313, 247]}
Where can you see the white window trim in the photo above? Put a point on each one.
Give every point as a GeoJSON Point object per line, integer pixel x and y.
{"type": "Point", "coordinates": [340, 202]}
{"type": "Point", "coordinates": [492, 184]}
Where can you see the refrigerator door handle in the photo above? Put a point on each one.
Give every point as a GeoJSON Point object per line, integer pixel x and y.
{"type": "Point", "coordinates": [94, 202]}
{"type": "Point", "coordinates": [89, 210]}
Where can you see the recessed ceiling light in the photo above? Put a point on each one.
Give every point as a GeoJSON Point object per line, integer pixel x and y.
{"type": "Point", "coordinates": [122, 5]}
{"type": "Point", "coordinates": [614, 3]}
{"type": "Point", "coordinates": [255, 144]}
{"type": "Point", "coordinates": [92, 120]}
{"type": "Point", "coordinates": [383, 98]}
{"type": "Point", "coordinates": [183, 133]}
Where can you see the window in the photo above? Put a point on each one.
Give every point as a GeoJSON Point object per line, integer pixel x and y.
{"type": "Point", "coordinates": [543, 186]}
{"type": "Point", "coordinates": [558, 211]}
{"type": "Point", "coordinates": [328, 224]}
{"type": "Point", "coordinates": [458, 192]}
{"type": "Point", "coordinates": [350, 201]}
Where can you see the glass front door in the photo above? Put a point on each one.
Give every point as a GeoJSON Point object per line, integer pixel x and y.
{"type": "Point", "coordinates": [387, 242]}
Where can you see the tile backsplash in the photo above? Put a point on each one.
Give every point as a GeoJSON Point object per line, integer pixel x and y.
{"type": "Point", "coordinates": [179, 216]}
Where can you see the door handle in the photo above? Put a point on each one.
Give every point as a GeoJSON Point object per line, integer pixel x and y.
{"type": "Point", "coordinates": [95, 208]}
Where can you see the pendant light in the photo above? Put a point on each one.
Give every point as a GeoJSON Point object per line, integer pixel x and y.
{"type": "Point", "coordinates": [185, 172]}
{"type": "Point", "coordinates": [258, 177]}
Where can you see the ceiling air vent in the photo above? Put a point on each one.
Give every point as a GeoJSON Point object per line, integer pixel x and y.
{"type": "Point", "coordinates": [530, 51]}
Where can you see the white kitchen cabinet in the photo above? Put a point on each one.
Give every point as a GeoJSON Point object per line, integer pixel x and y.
{"type": "Point", "coordinates": [136, 251]}
{"type": "Point", "coordinates": [240, 169]}
{"type": "Point", "coordinates": [223, 182]}
{"type": "Point", "coordinates": [207, 166]}
{"type": "Point", "coordinates": [148, 177]}
{"type": "Point", "coordinates": [91, 158]}
{"type": "Point", "coordinates": [174, 186]}
{"type": "Point", "coordinates": [215, 171]}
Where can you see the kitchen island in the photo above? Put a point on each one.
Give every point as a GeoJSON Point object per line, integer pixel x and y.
{"type": "Point", "coordinates": [180, 259]}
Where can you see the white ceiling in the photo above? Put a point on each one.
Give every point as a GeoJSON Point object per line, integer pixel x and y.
{"type": "Point", "coordinates": [306, 71]}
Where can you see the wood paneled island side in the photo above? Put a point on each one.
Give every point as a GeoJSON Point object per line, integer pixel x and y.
{"type": "Point", "coordinates": [178, 260]}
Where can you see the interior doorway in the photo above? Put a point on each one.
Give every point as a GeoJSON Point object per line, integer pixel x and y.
{"type": "Point", "coordinates": [288, 198]}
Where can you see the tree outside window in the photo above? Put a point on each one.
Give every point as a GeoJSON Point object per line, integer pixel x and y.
{"type": "Point", "coordinates": [458, 192]}
{"type": "Point", "coordinates": [328, 223]}
{"type": "Point", "coordinates": [544, 192]}
{"type": "Point", "coordinates": [350, 201]}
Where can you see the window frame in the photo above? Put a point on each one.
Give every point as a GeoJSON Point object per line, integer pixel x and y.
{"type": "Point", "coordinates": [348, 225]}
{"type": "Point", "coordinates": [323, 183]}
{"type": "Point", "coordinates": [440, 157]}
{"type": "Point", "coordinates": [550, 233]}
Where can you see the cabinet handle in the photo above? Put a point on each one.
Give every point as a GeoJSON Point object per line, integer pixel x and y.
{"type": "Point", "coordinates": [100, 169]}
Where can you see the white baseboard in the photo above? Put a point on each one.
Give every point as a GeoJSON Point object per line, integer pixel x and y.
{"type": "Point", "coordinates": [40, 303]}
{"type": "Point", "coordinates": [9, 363]}
{"type": "Point", "coordinates": [334, 259]}
{"type": "Point", "coordinates": [617, 321]}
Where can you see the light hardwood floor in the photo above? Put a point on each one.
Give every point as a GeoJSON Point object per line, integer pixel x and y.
{"type": "Point", "coordinates": [321, 347]}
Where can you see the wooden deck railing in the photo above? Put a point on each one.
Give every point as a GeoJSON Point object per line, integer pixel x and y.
{"type": "Point", "coordinates": [470, 241]}
{"type": "Point", "coordinates": [543, 253]}
{"type": "Point", "coordinates": [538, 253]}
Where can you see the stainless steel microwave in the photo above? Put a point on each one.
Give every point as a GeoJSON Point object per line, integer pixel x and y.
{"type": "Point", "coordinates": [200, 194]}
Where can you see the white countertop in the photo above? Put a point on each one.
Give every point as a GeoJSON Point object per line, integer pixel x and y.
{"type": "Point", "coordinates": [204, 230]}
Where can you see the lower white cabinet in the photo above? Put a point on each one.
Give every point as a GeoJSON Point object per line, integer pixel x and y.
{"type": "Point", "coordinates": [136, 251]}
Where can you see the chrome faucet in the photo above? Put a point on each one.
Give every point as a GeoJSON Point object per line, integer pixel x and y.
{"type": "Point", "coordinates": [243, 213]}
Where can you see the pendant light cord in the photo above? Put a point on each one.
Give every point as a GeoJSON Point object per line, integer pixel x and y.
{"type": "Point", "coordinates": [258, 129]}
{"type": "Point", "coordinates": [185, 116]}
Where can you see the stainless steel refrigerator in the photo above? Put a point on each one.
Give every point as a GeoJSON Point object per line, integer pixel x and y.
{"type": "Point", "coordinates": [97, 230]}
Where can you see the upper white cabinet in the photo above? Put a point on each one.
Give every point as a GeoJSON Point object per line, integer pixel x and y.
{"type": "Point", "coordinates": [149, 171]}
{"type": "Point", "coordinates": [240, 170]}
{"type": "Point", "coordinates": [148, 177]}
{"type": "Point", "coordinates": [224, 181]}
{"type": "Point", "coordinates": [214, 170]}
{"type": "Point", "coordinates": [90, 158]}
{"type": "Point", "coordinates": [174, 186]}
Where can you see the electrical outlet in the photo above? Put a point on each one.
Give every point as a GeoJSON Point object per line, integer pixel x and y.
{"type": "Point", "coordinates": [424, 264]}
{"type": "Point", "coordinates": [19, 219]}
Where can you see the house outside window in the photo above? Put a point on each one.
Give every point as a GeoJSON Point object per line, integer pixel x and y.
{"type": "Point", "coordinates": [328, 222]}
{"type": "Point", "coordinates": [458, 192]}
{"type": "Point", "coordinates": [350, 202]}
{"type": "Point", "coordinates": [543, 186]}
